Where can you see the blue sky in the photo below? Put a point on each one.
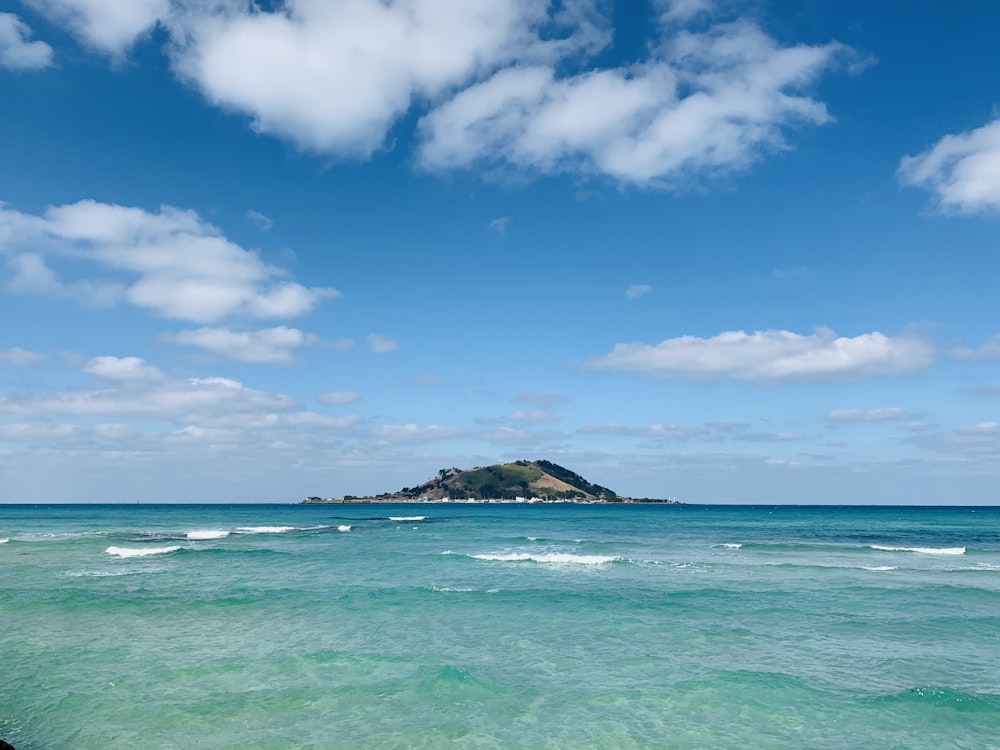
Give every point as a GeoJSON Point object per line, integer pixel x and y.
{"type": "Point", "coordinates": [722, 251]}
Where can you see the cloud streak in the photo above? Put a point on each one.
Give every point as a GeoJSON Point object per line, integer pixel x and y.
{"type": "Point", "coordinates": [771, 356]}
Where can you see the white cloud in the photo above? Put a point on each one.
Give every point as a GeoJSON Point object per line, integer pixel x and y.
{"type": "Point", "coordinates": [382, 344]}
{"type": "Point", "coordinates": [771, 356]}
{"type": "Point", "coordinates": [333, 77]}
{"type": "Point", "coordinates": [176, 264]}
{"type": "Point", "coordinates": [16, 52]}
{"type": "Point", "coordinates": [710, 102]}
{"type": "Point", "coordinates": [109, 26]}
{"type": "Point", "coordinates": [260, 220]}
{"type": "Point", "coordinates": [656, 431]}
{"type": "Point", "coordinates": [131, 388]}
{"type": "Point", "coordinates": [637, 290]}
{"type": "Point", "coordinates": [335, 398]}
{"type": "Point", "coordinates": [122, 369]}
{"type": "Point", "coordinates": [848, 416]}
{"type": "Point", "coordinates": [679, 11]}
{"type": "Point", "coordinates": [268, 345]}
{"type": "Point", "coordinates": [963, 170]}
{"type": "Point", "coordinates": [18, 357]}
{"type": "Point", "coordinates": [990, 349]}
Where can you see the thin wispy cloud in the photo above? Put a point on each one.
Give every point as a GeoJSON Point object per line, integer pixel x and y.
{"type": "Point", "coordinates": [18, 357]}
{"type": "Point", "coordinates": [852, 416]}
{"type": "Point", "coordinates": [337, 398]}
{"type": "Point", "coordinates": [379, 344]}
{"type": "Point", "coordinates": [638, 290]}
{"type": "Point", "coordinates": [499, 225]}
{"type": "Point", "coordinates": [260, 220]}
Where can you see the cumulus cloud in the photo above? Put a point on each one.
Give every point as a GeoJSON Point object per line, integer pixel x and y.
{"type": "Point", "coordinates": [128, 369]}
{"type": "Point", "coordinates": [16, 52]}
{"type": "Point", "coordinates": [382, 344]}
{"type": "Point", "coordinates": [173, 262]}
{"type": "Point", "coordinates": [849, 416]}
{"type": "Point", "coordinates": [268, 345]}
{"type": "Point", "coordinates": [109, 26]}
{"type": "Point", "coordinates": [18, 357]}
{"type": "Point", "coordinates": [335, 398]}
{"type": "Point", "coordinates": [707, 102]}
{"type": "Point", "coordinates": [501, 83]}
{"type": "Point", "coordinates": [637, 290]}
{"type": "Point", "coordinates": [990, 349]}
{"type": "Point", "coordinates": [962, 170]}
{"type": "Point", "coordinates": [771, 356]}
{"type": "Point", "coordinates": [333, 77]}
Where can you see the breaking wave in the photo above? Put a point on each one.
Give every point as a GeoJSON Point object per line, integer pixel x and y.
{"type": "Point", "coordinates": [343, 527]}
{"type": "Point", "coordinates": [921, 550]}
{"type": "Point", "coordinates": [551, 558]}
{"type": "Point", "coordinates": [407, 518]}
{"type": "Point", "coordinates": [141, 551]}
{"type": "Point", "coordinates": [201, 535]}
{"type": "Point", "coordinates": [265, 529]}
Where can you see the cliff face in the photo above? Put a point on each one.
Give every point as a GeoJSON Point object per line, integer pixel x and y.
{"type": "Point", "coordinates": [526, 479]}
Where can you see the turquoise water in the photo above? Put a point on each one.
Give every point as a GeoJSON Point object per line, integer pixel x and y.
{"type": "Point", "coordinates": [486, 626]}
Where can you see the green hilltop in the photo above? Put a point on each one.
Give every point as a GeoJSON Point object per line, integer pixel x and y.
{"type": "Point", "coordinates": [519, 480]}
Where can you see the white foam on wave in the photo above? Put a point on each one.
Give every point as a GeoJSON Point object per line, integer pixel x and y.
{"type": "Point", "coordinates": [201, 535]}
{"type": "Point", "coordinates": [880, 568]}
{"type": "Point", "coordinates": [921, 550]}
{"type": "Point", "coordinates": [558, 558]}
{"type": "Point", "coordinates": [140, 551]}
{"type": "Point", "coordinates": [4, 541]}
{"type": "Point", "coordinates": [343, 527]}
{"type": "Point", "coordinates": [110, 573]}
{"type": "Point", "coordinates": [407, 518]}
{"type": "Point", "coordinates": [264, 529]}
{"type": "Point", "coordinates": [984, 566]}
{"type": "Point", "coordinates": [729, 545]}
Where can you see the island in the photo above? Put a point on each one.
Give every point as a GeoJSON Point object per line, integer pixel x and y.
{"type": "Point", "coordinates": [517, 482]}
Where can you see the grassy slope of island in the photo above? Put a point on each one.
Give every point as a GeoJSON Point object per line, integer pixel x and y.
{"type": "Point", "coordinates": [520, 481]}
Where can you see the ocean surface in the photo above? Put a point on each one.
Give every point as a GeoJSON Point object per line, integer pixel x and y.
{"type": "Point", "coordinates": [498, 626]}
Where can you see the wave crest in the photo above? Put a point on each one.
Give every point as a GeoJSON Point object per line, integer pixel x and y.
{"type": "Point", "coordinates": [140, 551]}
{"type": "Point", "coordinates": [201, 535]}
{"type": "Point", "coordinates": [921, 550]}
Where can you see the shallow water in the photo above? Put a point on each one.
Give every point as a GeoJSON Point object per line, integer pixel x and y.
{"type": "Point", "coordinates": [485, 626]}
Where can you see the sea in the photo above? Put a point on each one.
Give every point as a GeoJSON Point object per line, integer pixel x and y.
{"type": "Point", "coordinates": [499, 626]}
